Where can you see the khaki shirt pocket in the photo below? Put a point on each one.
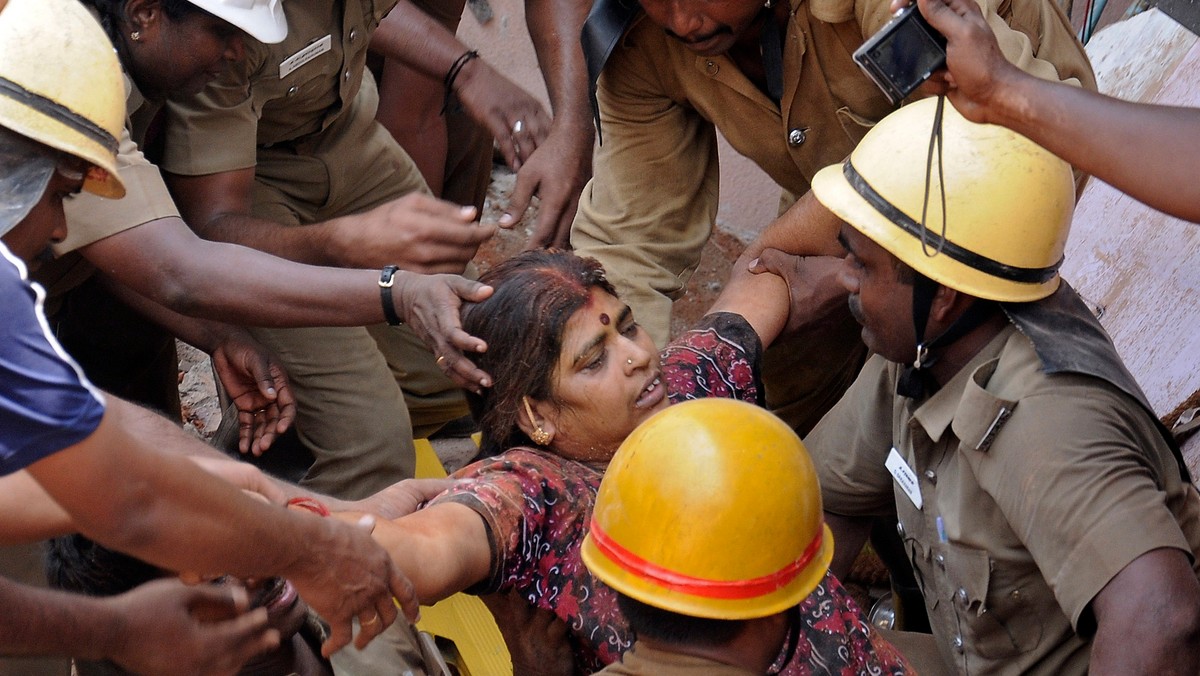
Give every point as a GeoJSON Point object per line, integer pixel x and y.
{"type": "Point", "coordinates": [994, 614]}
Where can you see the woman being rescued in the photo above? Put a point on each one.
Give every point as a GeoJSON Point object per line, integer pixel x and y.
{"type": "Point", "coordinates": [574, 375]}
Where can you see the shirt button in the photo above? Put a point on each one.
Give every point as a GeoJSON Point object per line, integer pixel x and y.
{"type": "Point", "coordinates": [711, 67]}
{"type": "Point", "coordinates": [962, 595]}
{"type": "Point", "coordinates": [796, 137]}
{"type": "Point", "coordinates": [932, 476]}
{"type": "Point", "coordinates": [353, 34]}
{"type": "Point", "coordinates": [900, 529]}
{"type": "Point", "coordinates": [957, 643]}
{"type": "Point", "coordinates": [940, 560]}
{"type": "Point", "coordinates": [292, 90]}
{"type": "Point", "coordinates": [346, 76]}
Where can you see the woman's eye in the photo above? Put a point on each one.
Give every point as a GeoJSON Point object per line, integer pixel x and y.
{"type": "Point", "coordinates": [630, 330]}
{"type": "Point", "coordinates": [594, 363]}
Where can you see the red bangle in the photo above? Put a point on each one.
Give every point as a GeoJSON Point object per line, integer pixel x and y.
{"type": "Point", "coordinates": [311, 504]}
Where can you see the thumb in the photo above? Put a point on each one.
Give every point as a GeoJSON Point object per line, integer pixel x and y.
{"type": "Point", "coordinates": [519, 201]}
{"type": "Point", "coordinates": [470, 290]}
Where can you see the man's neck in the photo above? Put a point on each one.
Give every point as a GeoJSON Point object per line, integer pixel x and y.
{"type": "Point", "coordinates": [746, 651]}
{"type": "Point", "coordinates": [747, 51]}
{"type": "Point", "coordinates": [954, 357]}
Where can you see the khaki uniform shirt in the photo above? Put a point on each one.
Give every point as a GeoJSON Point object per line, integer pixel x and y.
{"type": "Point", "coordinates": [91, 218]}
{"type": "Point", "coordinates": [281, 93]}
{"type": "Point", "coordinates": [650, 207]}
{"type": "Point", "coordinates": [642, 660]}
{"type": "Point", "coordinates": [1046, 487]}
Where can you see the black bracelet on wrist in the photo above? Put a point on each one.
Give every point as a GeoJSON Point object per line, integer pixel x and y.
{"type": "Point", "coordinates": [385, 295]}
{"type": "Point", "coordinates": [452, 75]}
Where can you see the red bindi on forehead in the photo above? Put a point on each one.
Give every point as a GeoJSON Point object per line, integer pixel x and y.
{"type": "Point", "coordinates": [604, 319]}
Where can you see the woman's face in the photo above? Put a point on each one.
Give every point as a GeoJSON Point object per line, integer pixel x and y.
{"type": "Point", "coordinates": [606, 382]}
{"type": "Point", "coordinates": [181, 57]}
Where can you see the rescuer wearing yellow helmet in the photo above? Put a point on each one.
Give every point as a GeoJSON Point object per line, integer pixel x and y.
{"type": "Point", "coordinates": [1046, 511]}
{"type": "Point", "coordinates": [73, 459]}
{"type": "Point", "coordinates": [708, 525]}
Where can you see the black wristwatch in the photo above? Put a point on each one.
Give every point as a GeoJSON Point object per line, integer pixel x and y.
{"type": "Point", "coordinates": [385, 295]}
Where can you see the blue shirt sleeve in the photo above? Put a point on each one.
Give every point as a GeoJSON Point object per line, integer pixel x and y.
{"type": "Point", "coordinates": [46, 403]}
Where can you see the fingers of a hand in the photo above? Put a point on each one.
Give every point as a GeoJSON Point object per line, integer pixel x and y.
{"type": "Point", "coordinates": [508, 148]}
{"type": "Point", "coordinates": [404, 593]}
{"type": "Point", "coordinates": [374, 622]}
{"type": "Point", "coordinates": [518, 202]}
{"type": "Point", "coordinates": [463, 371]}
{"type": "Point", "coordinates": [243, 637]}
{"type": "Point", "coordinates": [339, 637]}
{"type": "Point", "coordinates": [215, 602]}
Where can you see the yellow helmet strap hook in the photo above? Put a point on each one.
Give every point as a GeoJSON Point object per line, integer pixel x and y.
{"type": "Point", "coordinates": [912, 381]}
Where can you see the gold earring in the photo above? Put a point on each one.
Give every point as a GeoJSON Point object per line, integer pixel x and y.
{"type": "Point", "coordinates": [540, 436]}
{"type": "Point", "coordinates": [136, 36]}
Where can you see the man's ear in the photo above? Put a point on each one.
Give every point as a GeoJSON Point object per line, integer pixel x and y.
{"type": "Point", "coordinates": [947, 305]}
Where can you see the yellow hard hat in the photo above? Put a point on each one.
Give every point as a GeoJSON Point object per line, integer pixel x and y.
{"type": "Point", "coordinates": [711, 509]}
{"type": "Point", "coordinates": [61, 85]}
{"type": "Point", "coordinates": [1008, 202]}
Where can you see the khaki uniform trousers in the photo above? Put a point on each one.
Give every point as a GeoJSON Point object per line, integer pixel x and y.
{"type": "Point", "coordinates": [362, 394]}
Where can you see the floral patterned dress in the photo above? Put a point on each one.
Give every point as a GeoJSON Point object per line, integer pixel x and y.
{"type": "Point", "coordinates": [537, 506]}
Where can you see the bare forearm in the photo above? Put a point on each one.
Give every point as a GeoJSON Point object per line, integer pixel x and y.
{"type": "Point", "coordinates": [555, 26]}
{"type": "Point", "coordinates": [762, 300]}
{"type": "Point", "coordinates": [849, 536]}
{"type": "Point", "coordinates": [443, 549]}
{"type": "Point", "coordinates": [43, 622]}
{"type": "Point", "coordinates": [30, 513]}
{"type": "Point", "coordinates": [807, 228]}
{"type": "Point", "coordinates": [160, 508]}
{"type": "Point", "coordinates": [414, 38]}
{"type": "Point", "coordinates": [166, 263]}
{"type": "Point", "coordinates": [1150, 152]}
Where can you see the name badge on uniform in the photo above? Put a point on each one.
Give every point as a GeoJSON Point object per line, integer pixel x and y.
{"type": "Point", "coordinates": [312, 51]}
{"type": "Point", "coordinates": [904, 476]}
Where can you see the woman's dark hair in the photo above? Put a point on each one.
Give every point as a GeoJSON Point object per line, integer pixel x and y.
{"type": "Point", "coordinates": [536, 293]}
{"type": "Point", "coordinates": [112, 14]}
{"type": "Point", "coordinates": [77, 564]}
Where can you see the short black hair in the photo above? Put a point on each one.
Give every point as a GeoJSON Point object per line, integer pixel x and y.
{"type": "Point", "coordinates": [77, 564]}
{"type": "Point", "coordinates": [112, 13]}
{"type": "Point", "coordinates": [647, 621]}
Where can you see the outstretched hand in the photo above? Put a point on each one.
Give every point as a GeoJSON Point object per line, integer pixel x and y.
{"type": "Point", "coordinates": [430, 304]}
{"type": "Point", "coordinates": [556, 173]}
{"type": "Point", "coordinates": [169, 628]}
{"type": "Point", "coordinates": [515, 119]}
{"type": "Point", "coordinates": [258, 387]}
{"type": "Point", "coordinates": [349, 576]}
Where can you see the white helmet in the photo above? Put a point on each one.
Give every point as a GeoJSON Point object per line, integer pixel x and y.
{"type": "Point", "coordinates": [262, 20]}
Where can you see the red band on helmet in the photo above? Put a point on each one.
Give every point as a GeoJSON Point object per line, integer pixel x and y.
{"type": "Point", "coordinates": [696, 586]}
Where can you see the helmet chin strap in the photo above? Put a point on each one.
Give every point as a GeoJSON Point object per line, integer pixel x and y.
{"type": "Point", "coordinates": [913, 382]}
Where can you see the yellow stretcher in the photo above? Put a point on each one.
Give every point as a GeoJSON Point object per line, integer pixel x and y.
{"type": "Point", "coordinates": [463, 629]}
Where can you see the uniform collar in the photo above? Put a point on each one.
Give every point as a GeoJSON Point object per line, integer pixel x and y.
{"type": "Point", "coordinates": [937, 412]}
